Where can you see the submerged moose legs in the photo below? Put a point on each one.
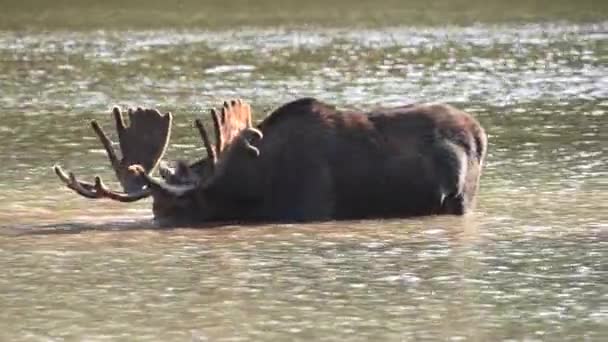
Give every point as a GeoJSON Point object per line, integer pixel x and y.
{"type": "Point", "coordinates": [143, 142]}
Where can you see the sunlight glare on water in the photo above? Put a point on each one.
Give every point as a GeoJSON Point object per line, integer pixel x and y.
{"type": "Point", "coordinates": [529, 264]}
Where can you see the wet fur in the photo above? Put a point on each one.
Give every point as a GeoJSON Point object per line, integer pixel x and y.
{"type": "Point", "coordinates": [320, 163]}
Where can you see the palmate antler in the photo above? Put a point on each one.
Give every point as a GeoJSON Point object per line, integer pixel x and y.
{"type": "Point", "coordinates": [229, 123]}
{"type": "Point", "coordinates": [143, 143]}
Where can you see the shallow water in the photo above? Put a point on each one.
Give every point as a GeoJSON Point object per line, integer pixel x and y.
{"type": "Point", "coordinates": [529, 264]}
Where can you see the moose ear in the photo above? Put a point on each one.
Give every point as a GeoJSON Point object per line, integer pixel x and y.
{"type": "Point", "coordinates": [254, 151]}
{"type": "Point", "coordinates": [254, 132]}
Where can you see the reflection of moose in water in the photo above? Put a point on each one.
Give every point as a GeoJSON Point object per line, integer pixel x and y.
{"type": "Point", "coordinates": [307, 161]}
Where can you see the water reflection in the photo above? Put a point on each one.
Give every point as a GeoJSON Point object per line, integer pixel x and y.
{"type": "Point", "coordinates": [419, 279]}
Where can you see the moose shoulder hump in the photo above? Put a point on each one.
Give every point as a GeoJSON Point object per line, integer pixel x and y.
{"type": "Point", "coordinates": [303, 106]}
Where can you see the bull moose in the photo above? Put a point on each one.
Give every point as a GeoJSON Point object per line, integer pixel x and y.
{"type": "Point", "coordinates": [306, 161]}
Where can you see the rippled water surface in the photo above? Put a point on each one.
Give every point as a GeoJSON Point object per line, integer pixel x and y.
{"type": "Point", "coordinates": [529, 264]}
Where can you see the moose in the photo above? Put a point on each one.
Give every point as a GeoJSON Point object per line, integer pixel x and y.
{"type": "Point", "coordinates": [306, 161]}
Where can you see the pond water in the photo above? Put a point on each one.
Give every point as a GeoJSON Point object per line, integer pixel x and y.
{"type": "Point", "coordinates": [529, 264]}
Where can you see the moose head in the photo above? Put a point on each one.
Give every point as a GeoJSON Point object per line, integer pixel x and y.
{"type": "Point", "coordinates": [178, 195]}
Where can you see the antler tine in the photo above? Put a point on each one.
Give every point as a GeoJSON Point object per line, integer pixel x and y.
{"type": "Point", "coordinates": [82, 188]}
{"type": "Point", "coordinates": [103, 190]}
{"type": "Point", "coordinates": [247, 107]}
{"type": "Point", "coordinates": [219, 134]}
{"type": "Point", "coordinates": [119, 119]}
{"type": "Point", "coordinates": [106, 142]}
{"type": "Point", "coordinates": [203, 132]}
{"type": "Point", "coordinates": [226, 112]}
{"type": "Point", "coordinates": [247, 110]}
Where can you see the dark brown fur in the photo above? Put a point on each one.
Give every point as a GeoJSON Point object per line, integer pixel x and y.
{"type": "Point", "coordinates": [319, 163]}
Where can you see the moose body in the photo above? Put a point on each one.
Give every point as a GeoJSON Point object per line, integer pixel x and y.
{"type": "Point", "coordinates": [309, 161]}
{"type": "Point", "coordinates": [318, 163]}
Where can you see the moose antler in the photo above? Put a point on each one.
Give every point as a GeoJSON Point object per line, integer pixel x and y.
{"type": "Point", "coordinates": [142, 143]}
{"type": "Point", "coordinates": [233, 118]}
{"type": "Point", "coordinates": [236, 116]}
{"type": "Point", "coordinates": [211, 151]}
{"type": "Point", "coordinates": [162, 186]}
{"type": "Point", "coordinates": [99, 189]}
{"type": "Point", "coordinates": [229, 123]}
